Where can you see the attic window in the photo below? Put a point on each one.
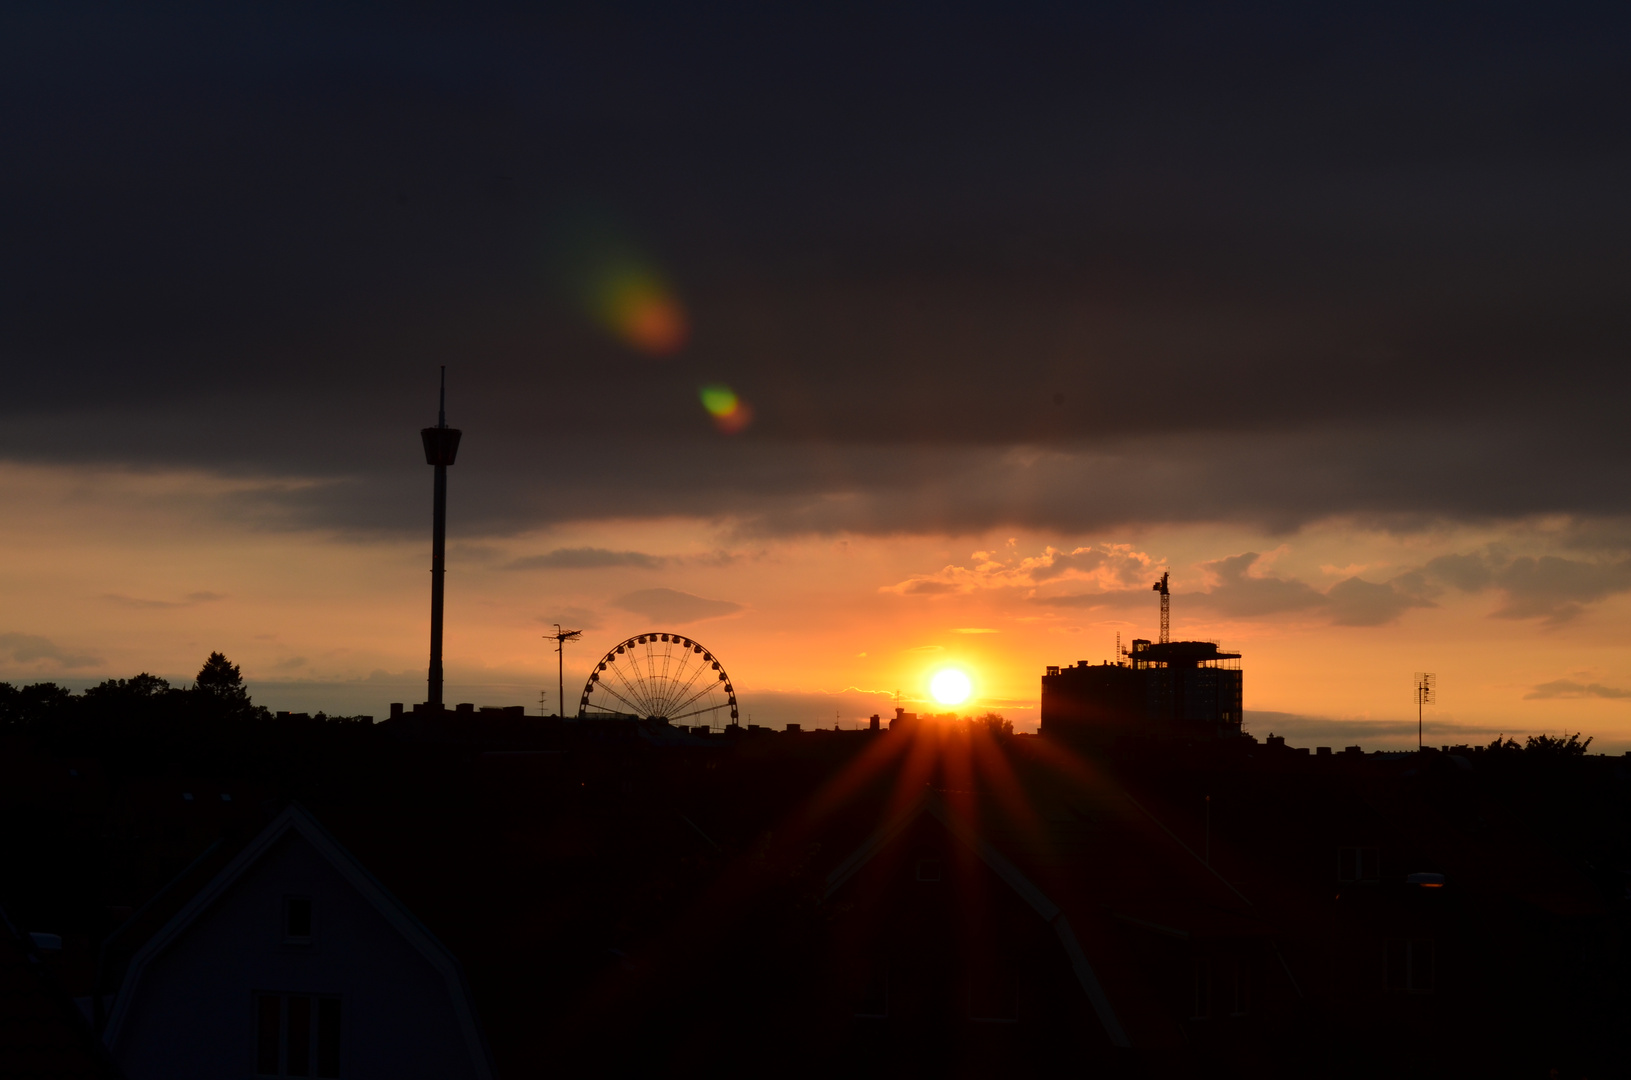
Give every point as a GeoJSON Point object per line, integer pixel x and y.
{"type": "Point", "coordinates": [929, 870]}
{"type": "Point", "coordinates": [297, 920]}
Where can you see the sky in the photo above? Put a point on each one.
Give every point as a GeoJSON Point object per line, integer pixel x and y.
{"type": "Point", "coordinates": [854, 342]}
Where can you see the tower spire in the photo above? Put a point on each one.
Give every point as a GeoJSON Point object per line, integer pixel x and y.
{"type": "Point", "coordinates": [441, 447]}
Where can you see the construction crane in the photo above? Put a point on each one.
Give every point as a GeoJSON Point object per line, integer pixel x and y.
{"type": "Point", "coordinates": [1166, 607]}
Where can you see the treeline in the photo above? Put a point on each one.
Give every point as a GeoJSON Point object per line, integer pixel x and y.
{"type": "Point", "coordinates": [144, 722]}
{"type": "Point", "coordinates": [1540, 746]}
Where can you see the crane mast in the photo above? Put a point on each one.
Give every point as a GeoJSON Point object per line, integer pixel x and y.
{"type": "Point", "coordinates": [1166, 607]}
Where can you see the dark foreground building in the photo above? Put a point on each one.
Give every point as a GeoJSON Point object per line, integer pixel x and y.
{"type": "Point", "coordinates": [932, 901]}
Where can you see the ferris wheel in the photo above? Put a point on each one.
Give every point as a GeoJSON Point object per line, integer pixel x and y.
{"type": "Point", "coordinates": [662, 677]}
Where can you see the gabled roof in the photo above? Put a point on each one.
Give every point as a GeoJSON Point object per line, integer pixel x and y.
{"type": "Point", "coordinates": [930, 802]}
{"type": "Point", "coordinates": [294, 818]}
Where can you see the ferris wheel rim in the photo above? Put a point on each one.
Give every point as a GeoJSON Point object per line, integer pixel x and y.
{"type": "Point", "coordinates": [673, 701]}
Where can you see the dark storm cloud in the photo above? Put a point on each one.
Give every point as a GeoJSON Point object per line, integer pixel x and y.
{"type": "Point", "coordinates": [1548, 587]}
{"type": "Point", "coordinates": [1264, 264]}
{"type": "Point", "coordinates": [1239, 593]}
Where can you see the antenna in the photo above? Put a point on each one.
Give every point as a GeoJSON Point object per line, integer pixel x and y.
{"type": "Point", "coordinates": [1118, 648]}
{"type": "Point", "coordinates": [1426, 689]}
{"type": "Point", "coordinates": [441, 447]}
{"type": "Point", "coordinates": [1166, 607]}
{"type": "Point", "coordinates": [561, 638]}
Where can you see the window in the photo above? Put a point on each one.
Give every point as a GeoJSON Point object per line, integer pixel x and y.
{"type": "Point", "coordinates": [1202, 1004]}
{"type": "Point", "coordinates": [297, 920]}
{"type": "Point", "coordinates": [928, 870]}
{"type": "Point", "coordinates": [1410, 965]}
{"type": "Point", "coordinates": [1359, 864]}
{"type": "Point", "coordinates": [297, 1035]}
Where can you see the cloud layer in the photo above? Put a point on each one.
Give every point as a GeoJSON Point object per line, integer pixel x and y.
{"type": "Point", "coordinates": [29, 649]}
{"type": "Point", "coordinates": [1114, 275]}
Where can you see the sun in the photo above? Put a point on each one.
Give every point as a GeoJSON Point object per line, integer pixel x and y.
{"type": "Point", "coordinates": [950, 686]}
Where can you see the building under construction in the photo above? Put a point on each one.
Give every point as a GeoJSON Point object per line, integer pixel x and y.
{"type": "Point", "coordinates": [1161, 688]}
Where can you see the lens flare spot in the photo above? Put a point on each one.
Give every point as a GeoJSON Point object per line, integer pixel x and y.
{"type": "Point", "coordinates": [638, 307]}
{"type": "Point", "coordinates": [596, 262]}
{"type": "Point", "coordinates": [950, 686]}
{"type": "Point", "coordinates": [730, 413]}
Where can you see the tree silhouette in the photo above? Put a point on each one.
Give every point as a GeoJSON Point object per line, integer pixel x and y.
{"type": "Point", "coordinates": [996, 725]}
{"type": "Point", "coordinates": [220, 677]}
{"type": "Point", "coordinates": [1557, 747]}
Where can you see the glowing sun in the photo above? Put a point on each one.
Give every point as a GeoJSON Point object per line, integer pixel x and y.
{"type": "Point", "coordinates": [950, 686]}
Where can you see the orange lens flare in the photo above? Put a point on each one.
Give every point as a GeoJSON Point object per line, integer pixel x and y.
{"type": "Point", "coordinates": [731, 414]}
{"type": "Point", "coordinates": [638, 307]}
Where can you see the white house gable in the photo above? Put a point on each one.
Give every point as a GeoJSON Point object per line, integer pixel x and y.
{"type": "Point", "coordinates": [295, 962]}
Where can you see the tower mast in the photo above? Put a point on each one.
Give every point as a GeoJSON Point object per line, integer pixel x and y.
{"type": "Point", "coordinates": [441, 447]}
{"type": "Point", "coordinates": [1166, 607]}
{"type": "Point", "coordinates": [561, 638]}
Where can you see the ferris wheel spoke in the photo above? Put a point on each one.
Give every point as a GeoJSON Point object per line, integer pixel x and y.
{"type": "Point", "coordinates": [640, 704]}
{"type": "Point", "coordinates": [670, 694]}
{"type": "Point", "coordinates": [636, 690]}
{"type": "Point", "coordinates": [681, 691]}
{"type": "Point", "coordinates": [699, 712]}
{"type": "Point", "coordinates": [695, 697]}
{"type": "Point", "coordinates": [623, 699]}
{"type": "Point", "coordinates": [665, 681]}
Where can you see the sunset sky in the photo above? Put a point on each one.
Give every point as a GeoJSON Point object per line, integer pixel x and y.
{"type": "Point", "coordinates": [854, 344]}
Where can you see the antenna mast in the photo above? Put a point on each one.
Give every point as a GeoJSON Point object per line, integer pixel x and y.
{"type": "Point", "coordinates": [1166, 607]}
{"type": "Point", "coordinates": [441, 447]}
{"type": "Point", "coordinates": [561, 638]}
{"type": "Point", "coordinates": [1426, 685]}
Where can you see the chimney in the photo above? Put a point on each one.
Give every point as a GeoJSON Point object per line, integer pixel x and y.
{"type": "Point", "coordinates": [874, 724]}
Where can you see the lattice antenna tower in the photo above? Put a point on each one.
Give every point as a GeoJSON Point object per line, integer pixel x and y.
{"type": "Point", "coordinates": [1426, 691]}
{"type": "Point", "coordinates": [1166, 607]}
